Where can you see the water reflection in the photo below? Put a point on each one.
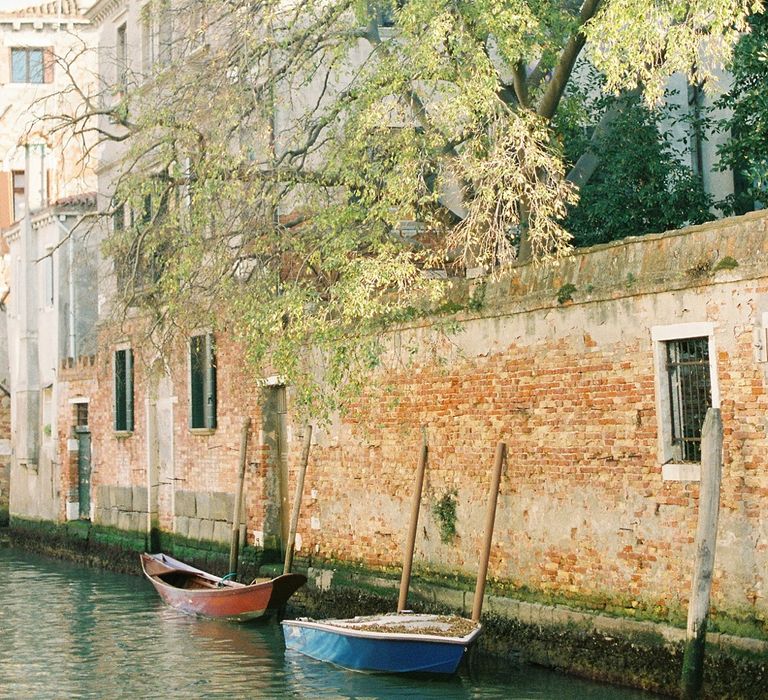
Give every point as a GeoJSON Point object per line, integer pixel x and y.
{"type": "Point", "coordinates": [71, 632]}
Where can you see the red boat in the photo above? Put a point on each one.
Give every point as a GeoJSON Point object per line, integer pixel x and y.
{"type": "Point", "coordinates": [197, 592]}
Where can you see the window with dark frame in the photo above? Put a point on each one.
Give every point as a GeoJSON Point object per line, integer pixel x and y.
{"type": "Point", "coordinates": [124, 390]}
{"type": "Point", "coordinates": [118, 217]}
{"type": "Point", "coordinates": [142, 267]}
{"type": "Point", "coordinates": [202, 381]}
{"type": "Point", "coordinates": [81, 415]}
{"type": "Point", "coordinates": [690, 393]}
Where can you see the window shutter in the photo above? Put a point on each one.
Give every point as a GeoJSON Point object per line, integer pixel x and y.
{"type": "Point", "coordinates": [48, 63]}
{"type": "Point", "coordinates": [129, 389]}
{"type": "Point", "coordinates": [124, 390]}
{"type": "Point", "coordinates": [120, 390]}
{"type": "Point", "coordinates": [18, 65]}
{"type": "Point", "coordinates": [202, 382]}
{"type": "Point", "coordinates": [196, 390]}
{"type": "Point", "coordinates": [210, 382]}
{"type": "Point", "coordinates": [6, 200]}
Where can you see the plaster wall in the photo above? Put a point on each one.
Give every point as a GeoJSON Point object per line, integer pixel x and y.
{"type": "Point", "coordinates": [23, 103]}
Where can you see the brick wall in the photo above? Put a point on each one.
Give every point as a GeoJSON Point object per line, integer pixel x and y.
{"type": "Point", "coordinates": [570, 386]}
{"type": "Point", "coordinates": [5, 454]}
{"type": "Point", "coordinates": [204, 463]}
{"type": "Point", "coordinates": [76, 383]}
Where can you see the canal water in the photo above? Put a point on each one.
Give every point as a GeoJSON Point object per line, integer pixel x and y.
{"type": "Point", "coordinates": [73, 632]}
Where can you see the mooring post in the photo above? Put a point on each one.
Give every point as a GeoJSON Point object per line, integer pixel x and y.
{"type": "Point", "coordinates": [490, 518]}
{"type": "Point", "coordinates": [288, 563]}
{"type": "Point", "coordinates": [410, 543]}
{"type": "Point", "coordinates": [234, 546]}
{"type": "Point", "coordinates": [692, 677]}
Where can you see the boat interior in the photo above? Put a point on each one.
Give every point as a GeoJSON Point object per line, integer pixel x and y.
{"type": "Point", "coordinates": [183, 579]}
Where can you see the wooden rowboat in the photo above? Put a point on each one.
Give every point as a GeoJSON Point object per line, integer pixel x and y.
{"type": "Point", "coordinates": [197, 592]}
{"type": "Point", "coordinates": [402, 642]}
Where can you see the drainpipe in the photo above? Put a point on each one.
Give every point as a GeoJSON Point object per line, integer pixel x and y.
{"type": "Point", "coordinates": [28, 386]}
{"type": "Point", "coordinates": [71, 319]}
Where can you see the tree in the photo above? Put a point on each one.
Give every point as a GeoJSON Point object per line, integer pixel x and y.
{"type": "Point", "coordinates": [745, 151]}
{"type": "Point", "coordinates": [641, 185]}
{"type": "Point", "coordinates": [300, 172]}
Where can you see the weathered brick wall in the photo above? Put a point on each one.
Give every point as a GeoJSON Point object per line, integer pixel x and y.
{"type": "Point", "coordinates": [5, 453]}
{"type": "Point", "coordinates": [204, 462]}
{"type": "Point", "coordinates": [570, 388]}
{"type": "Point", "coordinates": [569, 385]}
{"type": "Point", "coordinates": [76, 382]}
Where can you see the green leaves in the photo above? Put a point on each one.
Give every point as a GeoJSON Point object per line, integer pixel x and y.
{"type": "Point", "coordinates": [747, 102]}
{"type": "Point", "coordinates": [317, 169]}
{"type": "Point", "coordinates": [637, 42]}
{"type": "Point", "coordinates": [641, 185]}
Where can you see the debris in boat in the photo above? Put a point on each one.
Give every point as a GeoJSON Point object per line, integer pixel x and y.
{"type": "Point", "coordinates": [438, 625]}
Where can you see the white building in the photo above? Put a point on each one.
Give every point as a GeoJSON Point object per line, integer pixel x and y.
{"type": "Point", "coordinates": [46, 193]}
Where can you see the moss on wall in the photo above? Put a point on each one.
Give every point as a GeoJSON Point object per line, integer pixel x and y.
{"type": "Point", "coordinates": [117, 550]}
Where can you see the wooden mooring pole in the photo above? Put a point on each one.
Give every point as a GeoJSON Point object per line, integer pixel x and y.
{"type": "Point", "coordinates": [405, 578]}
{"type": "Point", "coordinates": [490, 518]}
{"type": "Point", "coordinates": [692, 678]}
{"type": "Point", "coordinates": [234, 545]}
{"type": "Point", "coordinates": [288, 563]}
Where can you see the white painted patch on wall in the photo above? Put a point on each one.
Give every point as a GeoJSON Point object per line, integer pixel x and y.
{"type": "Point", "coordinates": [314, 522]}
{"type": "Point", "coordinates": [72, 445]}
{"type": "Point", "coordinates": [761, 341]}
{"type": "Point", "coordinates": [322, 578]}
{"type": "Point", "coordinates": [681, 472]}
{"type": "Point", "coordinates": [297, 542]}
{"type": "Point", "coordinates": [258, 538]}
{"type": "Point", "coordinates": [5, 448]}
{"type": "Point", "coordinates": [73, 510]}
{"type": "Point", "coordinates": [273, 380]}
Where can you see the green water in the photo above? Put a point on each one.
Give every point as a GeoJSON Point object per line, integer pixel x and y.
{"type": "Point", "coordinates": [73, 632]}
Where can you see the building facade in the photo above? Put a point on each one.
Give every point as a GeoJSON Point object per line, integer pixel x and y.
{"type": "Point", "coordinates": [45, 202]}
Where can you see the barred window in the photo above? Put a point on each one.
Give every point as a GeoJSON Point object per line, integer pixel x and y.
{"type": "Point", "coordinates": [690, 394]}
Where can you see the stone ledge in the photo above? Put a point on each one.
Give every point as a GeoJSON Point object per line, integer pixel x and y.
{"type": "Point", "coordinates": [535, 614]}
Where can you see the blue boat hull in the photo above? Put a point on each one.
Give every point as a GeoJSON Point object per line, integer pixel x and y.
{"type": "Point", "coordinates": [376, 652]}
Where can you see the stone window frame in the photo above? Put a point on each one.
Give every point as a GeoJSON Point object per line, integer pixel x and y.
{"type": "Point", "coordinates": [671, 469]}
{"type": "Point", "coordinates": [121, 56]}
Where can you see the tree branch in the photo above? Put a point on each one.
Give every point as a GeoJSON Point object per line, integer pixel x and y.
{"type": "Point", "coordinates": [562, 72]}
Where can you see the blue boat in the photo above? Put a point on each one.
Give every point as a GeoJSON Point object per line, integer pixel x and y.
{"type": "Point", "coordinates": [392, 643]}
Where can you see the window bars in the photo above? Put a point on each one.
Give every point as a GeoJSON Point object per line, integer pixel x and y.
{"type": "Point", "coordinates": [690, 393]}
